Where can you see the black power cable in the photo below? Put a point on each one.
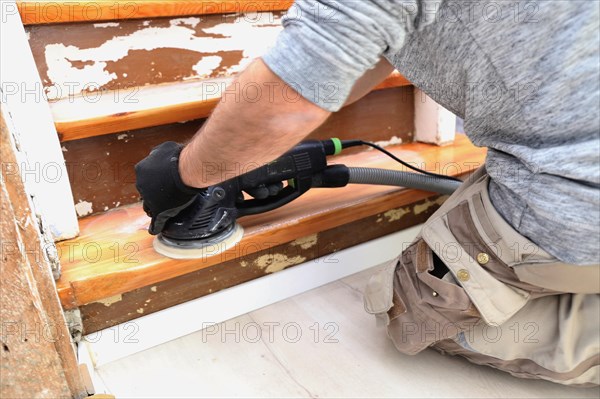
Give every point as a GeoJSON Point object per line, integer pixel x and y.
{"type": "Point", "coordinates": [356, 143]}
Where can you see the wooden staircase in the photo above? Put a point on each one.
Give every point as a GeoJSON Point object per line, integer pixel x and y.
{"type": "Point", "coordinates": [119, 85]}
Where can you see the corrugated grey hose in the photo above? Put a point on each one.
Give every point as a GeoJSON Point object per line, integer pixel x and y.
{"type": "Point", "coordinates": [385, 177]}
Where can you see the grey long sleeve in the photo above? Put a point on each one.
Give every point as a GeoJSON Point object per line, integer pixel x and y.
{"type": "Point", "coordinates": [327, 45]}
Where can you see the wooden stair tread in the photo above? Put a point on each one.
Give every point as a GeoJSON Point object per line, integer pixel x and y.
{"type": "Point", "coordinates": [105, 78]}
{"type": "Point", "coordinates": [52, 12]}
{"type": "Point", "coordinates": [114, 252]}
{"type": "Point", "coordinates": [78, 118]}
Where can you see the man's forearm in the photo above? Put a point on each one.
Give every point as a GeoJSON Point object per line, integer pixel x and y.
{"type": "Point", "coordinates": [244, 133]}
{"type": "Point", "coordinates": [257, 120]}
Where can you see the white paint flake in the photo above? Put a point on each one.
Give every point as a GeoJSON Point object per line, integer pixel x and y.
{"type": "Point", "coordinates": [205, 67]}
{"type": "Point", "coordinates": [392, 141]}
{"type": "Point", "coordinates": [83, 208]}
{"type": "Point", "coordinates": [106, 25]}
{"type": "Point", "coordinates": [191, 21]}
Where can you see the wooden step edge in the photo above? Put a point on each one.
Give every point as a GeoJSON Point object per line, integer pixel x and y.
{"type": "Point", "coordinates": [140, 107]}
{"type": "Point", "coordinates": [114, 252]}
{"type": "Point", "coordinates": [52, 12]}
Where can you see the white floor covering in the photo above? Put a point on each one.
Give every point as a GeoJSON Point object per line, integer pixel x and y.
{"type": "Point", "coordinates": [317, 344]}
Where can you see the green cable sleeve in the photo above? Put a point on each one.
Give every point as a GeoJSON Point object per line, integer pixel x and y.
{"type": "Point", "coordinates": [337, 144]}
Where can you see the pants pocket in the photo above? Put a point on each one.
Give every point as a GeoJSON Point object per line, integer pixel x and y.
{"type": "Point", "coordinates": [379, 295]}
{"type": "Point", "coordinates": [433, 308]}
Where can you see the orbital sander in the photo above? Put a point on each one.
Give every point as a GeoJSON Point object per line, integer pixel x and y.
{"type": "Point", "coordinates": [208, 225]}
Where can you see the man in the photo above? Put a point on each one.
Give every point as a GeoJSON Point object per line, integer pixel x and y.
{"type": "Point", "coordinates": [506, 272]}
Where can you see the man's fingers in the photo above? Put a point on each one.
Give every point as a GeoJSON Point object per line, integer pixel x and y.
{"type": "Point", "coordinates": [260, 192]}
{"type": "Point", "coordinates": [274, 189]}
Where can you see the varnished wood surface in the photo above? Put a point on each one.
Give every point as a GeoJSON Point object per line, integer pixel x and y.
{"type": "Point", "coordinates": [101, 170]}
{"type": "Point", "coordinates": [146, 300]}
{"type": "Point", "coordinates": [71, 128]}
{"type": "Point", "coordinates": [52, 12]}
{"type": "Point", "coordinates": [114, 253]}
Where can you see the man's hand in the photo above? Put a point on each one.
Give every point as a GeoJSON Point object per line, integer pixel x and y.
{"type": "Point", "coordinates": [163, 193]}
{"type": "Point", "coordinates": [239, 136]}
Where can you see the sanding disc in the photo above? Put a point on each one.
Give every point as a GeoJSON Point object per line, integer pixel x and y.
{"type": "Point", "coordinates": [198, 249]}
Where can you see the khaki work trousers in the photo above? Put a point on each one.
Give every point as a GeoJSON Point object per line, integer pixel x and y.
{"type": "Point", "coordinates": [499, 300]}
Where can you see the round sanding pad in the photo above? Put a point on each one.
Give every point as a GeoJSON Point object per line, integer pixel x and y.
{"type": "Point", "coordinates": [200, 249]}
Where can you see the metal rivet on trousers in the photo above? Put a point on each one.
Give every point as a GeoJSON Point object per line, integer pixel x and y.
{"type": "Point", "coordinates": [483, 258]}
{"type": "Point", "coordinates": [463, 275]}
{"type": "Point", "coordinates": [434, 293]}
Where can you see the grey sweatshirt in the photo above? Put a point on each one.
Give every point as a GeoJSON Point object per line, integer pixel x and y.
{"type": "Point", "coordinates": [524, 76]}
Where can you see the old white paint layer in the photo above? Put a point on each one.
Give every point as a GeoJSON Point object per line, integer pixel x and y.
{"type": "Point", "coordinates": [252, 37]}
{"type": "Point", "coordinates": [43, 168]}
{"type": "Point", "coordinates": [106, 25]}
{"type": "Point", "coordinates": [205, 66]}
{"type": "Point", "coordinates": [433, 123]}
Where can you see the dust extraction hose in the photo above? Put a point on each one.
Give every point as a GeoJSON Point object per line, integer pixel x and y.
{"type": "Point", "coordinates": [385, 177]}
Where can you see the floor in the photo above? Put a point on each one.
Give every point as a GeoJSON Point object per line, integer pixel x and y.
{"type": "Point", "coordinates": [317, 344]}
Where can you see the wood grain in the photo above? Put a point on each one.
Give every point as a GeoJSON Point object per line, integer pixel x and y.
{"type": "Point", "coordinates": [71, 128]}
{"type": "Point", "coordinates": [36, 354]}
{"type": "Point", "coordinates": [101, 170]}
{"type": "Point", "coordinates": [142, 301]}
{"type": "Point", "coordinates": [52, 12]}
{"type": "Point", "coordinates": [114, 253]}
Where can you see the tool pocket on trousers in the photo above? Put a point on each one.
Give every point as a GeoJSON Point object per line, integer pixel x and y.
{"type": "Point", "coordinates": [379, 296]}
{"type": "Point", "coordinates": [435, 284]}
{"type": "Point", "coordinates": [434, 308]}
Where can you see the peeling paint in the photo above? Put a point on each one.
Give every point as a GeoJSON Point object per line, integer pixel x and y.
{"type": "Point", "coordinates": [392, 141]}
{"type": "Point", "coordinates": [428, 204]}
{"type": "Point", "coordinates": [190, 21]}
{"type": "Point", "coordinates": [306, 242]}
{"type": "Point", "coordinates": [106, 25]}
{"type": "Point", "coordinates": [153, 288]}
{"type": "Point", "coordinates": [207, 65]}
{"type": "Point", "coordinates": [83, 208]}
{"type": "Point", "coordinates": [243, 263]}
{"type": "Point", "coordinates": [64, 149]}
{"type": "Point", "coordinates": [396, 214]}
{"type": "Point", "coordinates": [272, 263]}
{"type": "Point", "coordinates": [140, 310]}
{"type": "Point", "coordinates": [122, 136]}
{"type": "Point", "coordinates": [110, 300]}
{"type": "Point", "coordinates": [251, 38]}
